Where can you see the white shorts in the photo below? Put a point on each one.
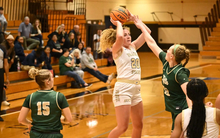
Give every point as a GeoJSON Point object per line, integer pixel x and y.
{"type": "Point", "coordinates": [126, 94]}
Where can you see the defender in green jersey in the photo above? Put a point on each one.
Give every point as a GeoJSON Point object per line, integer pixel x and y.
{"type": "Point", "coordinates": [175, 76]}
{"type": "Point", "coordinates": [46, 107]}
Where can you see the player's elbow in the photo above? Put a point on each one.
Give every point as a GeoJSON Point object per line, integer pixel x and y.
{"type": "Point", "coordinates": [20, 120]}
{"type": "Point", "coordinates": [120, 37]}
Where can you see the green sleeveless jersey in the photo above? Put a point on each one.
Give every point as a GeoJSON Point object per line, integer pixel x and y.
{"type": "Point", "coordinates": [46, 106]}
{"type": "Point", "coordinates": [172, 79]}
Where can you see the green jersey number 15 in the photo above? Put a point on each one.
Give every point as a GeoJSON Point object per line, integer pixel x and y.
{"type": "Point", "coordinates": [43, 106]}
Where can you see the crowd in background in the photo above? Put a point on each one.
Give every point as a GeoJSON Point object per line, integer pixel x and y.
{"type": "Point", "coordinates": [68, 47]}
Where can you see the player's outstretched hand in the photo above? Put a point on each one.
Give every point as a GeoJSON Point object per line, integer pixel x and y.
{"type": "Point", "coordinates": [131, 17]}
{"type": "Point", "coordinates": [116, 23]}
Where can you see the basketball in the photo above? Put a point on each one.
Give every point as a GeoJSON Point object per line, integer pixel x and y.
{"type": "Point", "coordinates": [119, 14]}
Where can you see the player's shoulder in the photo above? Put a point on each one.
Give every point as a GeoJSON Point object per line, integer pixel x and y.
{"type": "Point", "coordinates": [184, 70]}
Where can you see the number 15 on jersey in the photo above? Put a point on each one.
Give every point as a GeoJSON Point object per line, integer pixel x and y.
{"type": "Point", "coordinates": [43, 106]}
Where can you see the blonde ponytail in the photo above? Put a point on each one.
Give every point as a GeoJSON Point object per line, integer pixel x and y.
{"type": "Point", "coordinates": [108, 38]}
{"type": "Point", "coordinates": [40, 76]}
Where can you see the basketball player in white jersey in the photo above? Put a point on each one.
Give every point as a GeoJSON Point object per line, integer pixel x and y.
{"type": "Point", "coordinates": [200, 121]}
{"type": "Point", "coordinates": [126, 96]}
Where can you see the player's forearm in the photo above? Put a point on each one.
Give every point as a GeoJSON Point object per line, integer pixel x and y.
{"type": "Point", "coordinates": [148, 30]}
{"type": "Point", "coordinates": [119, 31]}
{"type": "Point", "coordinates": [148, 38]}
{"type": "Point", "coordinates": [25, 122]}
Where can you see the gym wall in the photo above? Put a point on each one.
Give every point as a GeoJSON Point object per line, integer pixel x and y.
{"type": "Point", "coordinates": [96, 9]}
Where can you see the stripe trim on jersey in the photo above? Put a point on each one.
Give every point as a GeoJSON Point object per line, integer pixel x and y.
{"type": "Point", "coordinates": [164, 64]}
{"type": "Point", "coordinates": [119, 54]}
{"type": "Point", "coordinates": [30, 100]}
{"type": "Point", "coordinates": [177, 73]}
{"type": "Point", "coordinates": [44, 91]}
{"type": "Point", "coordinates": [57, 101]}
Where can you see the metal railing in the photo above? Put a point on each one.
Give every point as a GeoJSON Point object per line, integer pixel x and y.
{"type": "Point", "coordinates": [210, 22]}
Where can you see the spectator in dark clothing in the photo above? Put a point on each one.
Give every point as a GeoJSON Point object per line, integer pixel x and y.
{"type": "Point", "coordinates": [24, 30]}
{"type": "Point", "coordinates": [3, 68]}
{"type": "Point", "coordinates": [79, 39]}
{"type": "Point", "coordinates": [60, 36]}
{"type": "Point", "coordinates": [31, 61]}
{"type": "Point", "coordinates": [9, 45]}
{"type": "Point", "coordinates": [66, 68]}
{"type": "Point", "coordinates": [64, 32]}
{"type": "Point", "coordinates": [36, 31]}
{"type": "Point", "coordinates": [19, 49]}
{"type": "Point", "coordinates": [46, 58]}
{"type": "Point", "coordinates": [108, 55]}
{"type": "Point", "coordinates": [81, 48]}
{"type": "Point", "coordinates": [55, 47]}
{"type": "Point", "coordinates": [75, 30]}
{"type": "Point", "coordinates": [70, 42]}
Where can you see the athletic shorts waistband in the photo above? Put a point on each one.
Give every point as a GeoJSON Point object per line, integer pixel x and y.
{"type": "Point", "coordinates": [136, 82]}
{"type": "Point", "coordinates": [52, 132]}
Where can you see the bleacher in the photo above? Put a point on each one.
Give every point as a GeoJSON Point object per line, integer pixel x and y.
{"type": "Point", "coordinates": [20, 83]}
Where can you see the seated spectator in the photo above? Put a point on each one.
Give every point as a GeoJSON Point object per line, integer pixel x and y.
{"type": "Point", "coordinates": [46, 58]}
{"type": "Point", "coordinates": [70, 42]}
{"type": "Point", "coordinates": [79, 39]}
{"type": "Point", "coordinates": [32, 60]}
{"type": "Point", "coordinates": [108, 55]}
{"type": "Point", "coordinates": [89, 65]}
{"type": "Point", "coordinates": [60, 36]}
{"type": "Point", "coordinates": [96, 40]}
{"type": "Point", "coordinates": [66, 68]}
{"type": "Point", "coordinates": [9, 45]}
{"type": "Point", "coordinates": [64, 32]}
{"type": "Point", "coordinates": [76, 56]}
{"type": "Point", "coordinates": [19, 49]}
{"type": "Point", "coordinates": [24, 30]}
{"type": "Point", "coordinates": [36, 31]}
{"type": "Point", "coordinates": [55, 47]}
{"type": "Point", "coordinates": [3, 25]}
{"type": "Point", "coordinates": [81, 48]}
{"type": "Point", "coordinates": [75, 30]}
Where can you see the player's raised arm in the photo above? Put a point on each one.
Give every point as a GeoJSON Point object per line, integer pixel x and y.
{"type": "Point", "coordinates": [138, 43]}
{"type": "Point", "coordinates": [150, 41]}
{"type": "Point", "coordinates": [117, 46]}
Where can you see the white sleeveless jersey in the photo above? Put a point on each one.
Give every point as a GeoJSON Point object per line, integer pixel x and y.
{"type": "Point", "coordinates": [128, 64]}
{"type": "Point", "coordinates": [211, 127]}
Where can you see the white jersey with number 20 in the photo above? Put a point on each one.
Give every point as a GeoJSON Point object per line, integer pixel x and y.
{"type": "Point", "coordinates": [128, 64]}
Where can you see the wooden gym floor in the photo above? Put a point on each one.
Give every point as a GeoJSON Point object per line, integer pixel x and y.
{"type": "Point", "coordinates": [94, 114]}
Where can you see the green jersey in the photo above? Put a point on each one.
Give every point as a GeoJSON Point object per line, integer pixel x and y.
{"type": "Point", "coordinates": [46, 106]}
{"type": "Point", "coordinates": [172, 79]}
{"type": "Point", "coordinates": [63, 68]}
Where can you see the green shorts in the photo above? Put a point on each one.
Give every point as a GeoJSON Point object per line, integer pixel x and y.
{"type": "Point", "coordinates": [34, 134]}
{"type": "Point", "coordinates": [174, 115]}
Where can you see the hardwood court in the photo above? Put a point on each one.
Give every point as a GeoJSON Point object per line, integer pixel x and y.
{"type": "Point", "coordinates": [94, 115]}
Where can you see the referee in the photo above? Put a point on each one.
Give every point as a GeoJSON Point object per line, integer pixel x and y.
{"type": "Point", "coordinates": [3, 66]}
